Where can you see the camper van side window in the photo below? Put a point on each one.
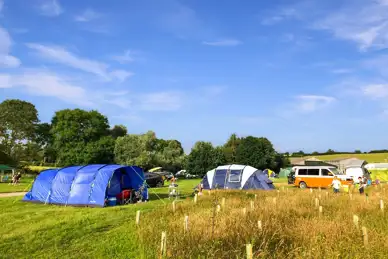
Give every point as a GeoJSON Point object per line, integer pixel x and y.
{"type": "Point", "coordinates": [302, 172]}
{"type": "Point", "coordinates": [325, 172]}
{"type": "Point", "coordinates": [313, 171]}
{"type": "Point", "coordinates": [235, 176]}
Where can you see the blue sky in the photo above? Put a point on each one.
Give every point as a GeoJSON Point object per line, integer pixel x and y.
{"type": "Point", "coordinates": [308, 75]}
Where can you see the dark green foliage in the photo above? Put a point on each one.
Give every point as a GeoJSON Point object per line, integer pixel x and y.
{"type": "Point", "coordinates": [118, 131]}
{"type": "Point", "coordinates": [147, 151]}
{"type": "Point", "coordinates": [281, 161]}
{"type": "Point", "coordinates": [17, 124]}
{"type": "Point", "coordinates": [230, 149]}
{"type": "Point", "coordinates": [203, 157]}
{"type": "Point", "coordinates": [256, 152]}
{"type": "Point", "coordinates": [6, 159]}
{"type": "Point", "coordinates": [81, 137]}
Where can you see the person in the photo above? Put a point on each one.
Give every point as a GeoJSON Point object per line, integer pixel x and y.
{"type": "Point", "coordinates": [16, 178]}
{"type": "Point", "coordinates": [336, 184]}
{"type": "Point", "coordinates": [361, 186]}
{"type": "Point", "coordinates": [377, 181]}
{"type": "Point", "coordinates": [200, 187]}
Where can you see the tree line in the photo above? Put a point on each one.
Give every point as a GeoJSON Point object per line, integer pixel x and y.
{"type": "Point", "coordinates": [76, 136]}
{"type": "Point", "coordinates": [332, 152]}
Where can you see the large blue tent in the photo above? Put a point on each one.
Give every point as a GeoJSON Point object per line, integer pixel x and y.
{"type": "Point", "coordinates": [88, 185]}
{"type": "Point", "coordinates": [237, 177]}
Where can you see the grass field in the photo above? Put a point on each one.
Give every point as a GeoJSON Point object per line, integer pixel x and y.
{"type": "Point", "coordinates": [291, 227]}
{"type": "Point", "coordinates": [370, 158]}
{"type": "Point", "coordinates": [25, 185]}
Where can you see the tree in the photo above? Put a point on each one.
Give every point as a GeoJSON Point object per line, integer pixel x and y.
{"type": "Point", "coordinates": [170, 155]}
{"type": "Point", "coordinates": [81, 137]}
{"type": "Point", "coordinates": [298, 154]}
{"type": "Point", "coordinates": [44, 138]}
{"type": "Point", "coordinates": [330, 151]}
{"type": "Point", "coordinates": [219, 157]}
{"type": "Point", "coordinates": [147, 151]}
{"type": "Point", "coordinates": [6, 159]}
{"type": "Point", "coordinates": [101, 151]}
{"type": "Point", "coordinates": [357, 151]}
{"type": "Point", "coordinates": [118, 131]}
{"type": "Point", "coordinates": [137, 150]}
{"type": "Point", "coordinates": [17, 125]}
{"type": "Point", "coordinates": [256, 152]}
{"type": "Point", "coordinates": [281, 161]}
{"type": "Point", "coordinates": [201, 158]}
{"type": "Point", "coordinates": [230, 148]}
{"type": "Point", "coordinates": [128, 149]}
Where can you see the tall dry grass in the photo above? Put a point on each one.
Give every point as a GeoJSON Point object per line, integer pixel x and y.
{"type": "Point", "coordinates": [291, 228]}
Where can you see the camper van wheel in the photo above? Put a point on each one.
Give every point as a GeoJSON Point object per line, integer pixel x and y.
{"type": "Point", "coordinates": [302, 185]}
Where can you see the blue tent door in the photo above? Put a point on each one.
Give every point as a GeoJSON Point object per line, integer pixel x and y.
{"type": "Point", "coordinates": [219, 178]}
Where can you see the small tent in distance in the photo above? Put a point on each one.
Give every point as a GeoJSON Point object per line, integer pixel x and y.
{"type": "Point", "coordinates": [89, 185]}
{"type": "Point", "coordinates": [237, 177]}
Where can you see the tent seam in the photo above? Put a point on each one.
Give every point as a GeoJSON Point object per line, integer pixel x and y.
{"type": "Point", "coordinates": [92, 183]}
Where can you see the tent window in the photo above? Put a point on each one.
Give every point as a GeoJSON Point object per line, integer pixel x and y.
{"type": "Point", "coordinates": [235, 176]}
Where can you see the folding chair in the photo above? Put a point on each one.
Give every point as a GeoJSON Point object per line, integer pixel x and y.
{"type": "Point", "coordinates": [126, 197]}
{"type": "Point", "coordinates": [173, 191]}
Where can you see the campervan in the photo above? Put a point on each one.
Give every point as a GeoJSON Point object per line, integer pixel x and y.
{"type": "Point", "coordinates": [355, 172]}
{"type": "Point", "coordinates": [318, 176]}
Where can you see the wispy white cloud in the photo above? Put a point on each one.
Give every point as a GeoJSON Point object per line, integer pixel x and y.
{"type": "Point", "coordinates": [6, 60]}
{"type": "Point", "coordinates": [312, 103]}
{"type": "Point", "coordinates": [121, 75]}
{"type": "Point", "coordinates": [61, 55]}
{"type": "Point", "coordinates": [341, 71]}
{"type": "Point", "coordinates": [161, 101]}
{"type": "Point", "coordinates": [180, 20]}
{"type": "Point", "coordinates": [45, 83]}
{"type": "Point", "coordinates": [296, 40]}
{"type": "Point", "coordinates": [65, 87]}
{"type": "Point", "coordinates": [363, 22]}
{"type": "Point", "coordinates": [50, 8]}
{"type": "Point", "coordinates": [5, 81]}
{"type": "Point", "coordinates": [375, 91]}
{"type": "Point", "coordinates": [124, 58]}
{"type": "Point", "coordinates": [87, 16]}
{"type": "Point", "coordinates": [223, 43]}
{"type": "Point", "coordinates": [280, 15]}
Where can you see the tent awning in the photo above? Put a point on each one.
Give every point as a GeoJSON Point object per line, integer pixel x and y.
{"type": "Point", "coordinates": [5, 168]}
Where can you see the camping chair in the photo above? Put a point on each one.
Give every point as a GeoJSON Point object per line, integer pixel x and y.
{"type": "Point", "coordinates": [4, 179]}
{"type": "Point", "coordinates": [173, 191]}
{"type": "Point", "coordinates": [126, 197]}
